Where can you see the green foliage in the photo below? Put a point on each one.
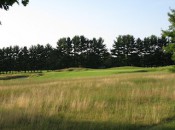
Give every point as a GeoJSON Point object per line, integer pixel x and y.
{"type": "Point", "coordinates": [171, 34]}
{"type": "Point", "coordinates": [172, 69]}
{"type": "Point", "coordinates": [80, 51]}
{"type": "Point", "coordinates": [5, 4]}
{"type": "Point", "coordinates": [171, 31]}
{"type": "Point", "coordinates": [170, 49]}
{"type": "Point", "coordinates": [127, 51]}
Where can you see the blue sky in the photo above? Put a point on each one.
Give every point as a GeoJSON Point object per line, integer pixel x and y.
{"type": "Point", "coordinates": [46, 21]}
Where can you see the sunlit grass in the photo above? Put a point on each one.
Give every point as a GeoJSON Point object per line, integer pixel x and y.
{"type": "Point", "coordinates": [118, 101]}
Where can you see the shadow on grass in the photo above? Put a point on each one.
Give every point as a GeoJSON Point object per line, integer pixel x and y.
{"type": "Point", "coordinates": [164, 124]}
{"type": "Point", "coordinates": [17, 120]}
{"type": "Point", "coordinates": [11, 77]}
{"type": "Point", "coordinates": [141, 71]}
{"type": "Point", "coordinates": [172, 69]}
{"type": "Point", "coordinates": [14, 77]}
{"type": "Point", "coordinates": [134, 71]}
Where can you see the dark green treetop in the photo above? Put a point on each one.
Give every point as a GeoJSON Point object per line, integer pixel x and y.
{"type": "Point", "coordinates": [170, 33]}
{"type": "Point", "coordinates": [5, 4]}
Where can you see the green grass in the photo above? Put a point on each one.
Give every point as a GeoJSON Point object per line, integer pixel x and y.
{"type": "Point", "coordinates": [125, 98]}
{"type": "Point", "coordinates": [77, 73]}
{"type": "Point", "coordinates": [83, 72]}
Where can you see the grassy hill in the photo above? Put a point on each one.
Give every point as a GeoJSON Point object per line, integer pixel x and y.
{"type": "Point", "coordinates": [123, 98]}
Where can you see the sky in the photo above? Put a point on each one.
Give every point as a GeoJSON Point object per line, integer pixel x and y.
{"type": "Point", "coordinates": [46, 21]}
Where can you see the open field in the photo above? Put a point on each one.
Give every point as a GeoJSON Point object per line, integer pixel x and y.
{"type": "Point", "coordinates": [126, 98]}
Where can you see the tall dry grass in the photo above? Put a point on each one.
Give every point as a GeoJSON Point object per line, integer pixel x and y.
{"type": "Point", "coordinates": [125, 101]}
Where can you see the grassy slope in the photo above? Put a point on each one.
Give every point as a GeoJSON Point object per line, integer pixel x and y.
{"type": "Point", "coordinates": [76, 73]}
{"type": "Point", "coordinates": [81, 72]}
{"type": "Point", "coordinates": [103, 99]}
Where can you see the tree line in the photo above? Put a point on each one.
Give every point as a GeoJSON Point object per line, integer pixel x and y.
{"type": "Point", "coordinates": [80, 51]}
{"type": "Point", "coordinates": [91, 53]}
{"type": "Point", "coordinates": [149, 52]}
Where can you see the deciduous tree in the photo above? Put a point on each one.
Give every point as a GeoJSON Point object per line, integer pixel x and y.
{"type": "Point", "coordinates": [5, 4]}
{"type": "Point", "coordinates": [170, 33]}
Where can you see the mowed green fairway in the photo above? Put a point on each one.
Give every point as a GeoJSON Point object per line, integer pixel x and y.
{"type": "Point", "coordinates": [126, 98]}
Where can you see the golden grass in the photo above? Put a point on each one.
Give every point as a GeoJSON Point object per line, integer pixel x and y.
{"type": "Point", "coordinates": [141, 99]}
